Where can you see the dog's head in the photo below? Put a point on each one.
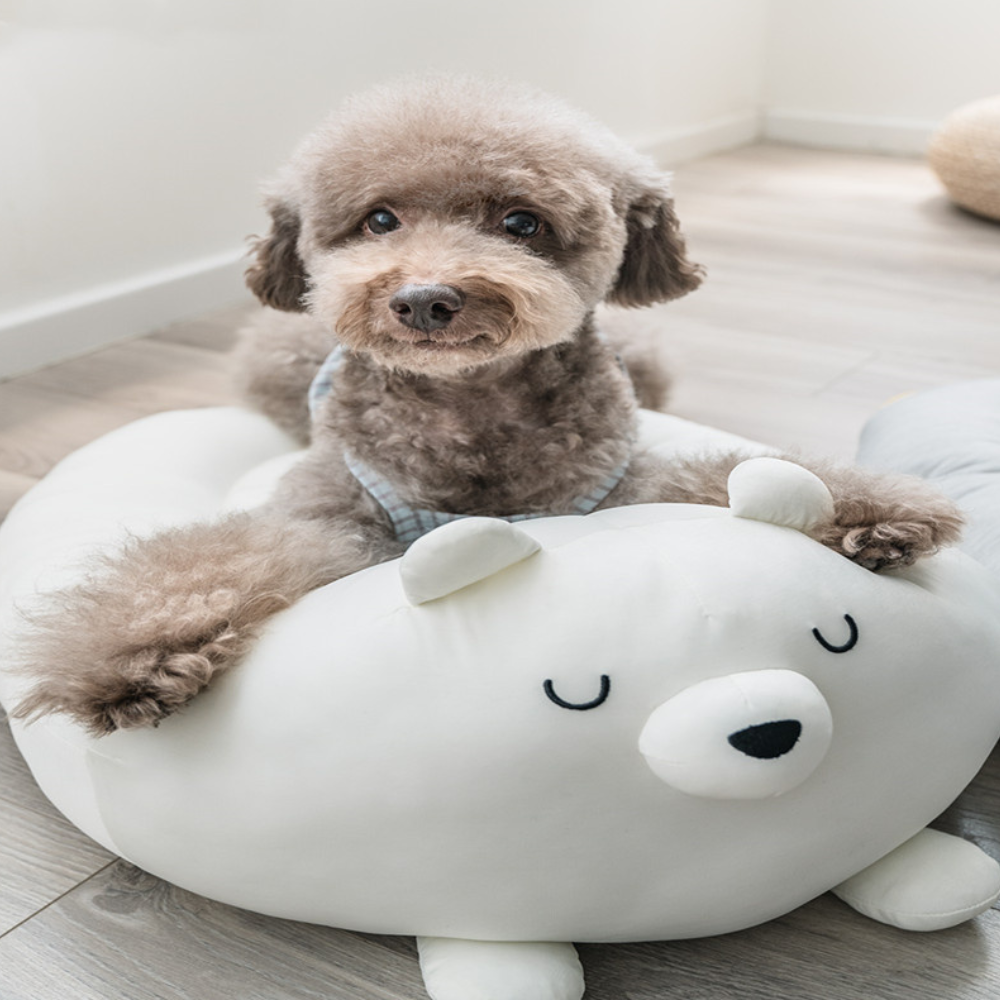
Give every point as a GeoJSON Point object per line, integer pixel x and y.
{"type": "Point", "coordinates": [441, 224]}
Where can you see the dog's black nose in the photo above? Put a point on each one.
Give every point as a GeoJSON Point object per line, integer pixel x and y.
{"type": "Point", "coordinates": [426, 307]}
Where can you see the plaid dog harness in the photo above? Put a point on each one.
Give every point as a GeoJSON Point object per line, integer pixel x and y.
{"type": "Point", "coordinates": [410, 523]}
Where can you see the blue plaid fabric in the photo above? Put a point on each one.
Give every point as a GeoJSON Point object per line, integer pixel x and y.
{"type": "Point", "coordinates": [322, 383]}
{"type": "Point", "coordinates": [410, 523]}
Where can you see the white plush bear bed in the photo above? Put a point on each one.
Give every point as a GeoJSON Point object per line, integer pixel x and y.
{"type": "Point", "coordinates": [654, 722]}
{"type": "Point", "coordinates": [168, 469]}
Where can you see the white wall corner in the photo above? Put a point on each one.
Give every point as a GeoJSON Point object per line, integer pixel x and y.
{"type": "Point", "coordinates": [897, 136]}
{"type": "Point", "coordinates": [70, 325]}
{"type": "Point", "coordinates": [674, 146]}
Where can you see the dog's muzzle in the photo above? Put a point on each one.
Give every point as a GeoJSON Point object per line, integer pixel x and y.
{"type": "Point", "coordinates": [426, 307]}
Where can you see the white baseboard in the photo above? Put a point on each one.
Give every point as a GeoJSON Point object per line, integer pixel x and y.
{"type": "Point", "coordinates": [70, 325]}
{"type": "Point", "coordinates": [899, 136]}
{"type": "Point", "coordinates": [678, 145]}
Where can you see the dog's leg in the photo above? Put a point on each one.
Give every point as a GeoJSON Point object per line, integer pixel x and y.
{"type": "Point", "coordinates": [880, 521]}
{"type": "Point", "coordinates": [276, 358]}
{"type": "Point", "coordinates": [649, 377]}
{"type": "Point", "coordinates": [637, 340]}
{"type": "Point", "coordinates": [167, 614]}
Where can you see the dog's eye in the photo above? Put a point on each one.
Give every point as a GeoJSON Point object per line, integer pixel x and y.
{"type": "Point", "coordinates": [839, 647]}
{"type": "Point", "coordinates": [382, 221]}
{"type": "Point", "coordinates": [523, 225]}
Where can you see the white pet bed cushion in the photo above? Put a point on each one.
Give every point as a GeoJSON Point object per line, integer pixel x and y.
{"type": "Point", "coordinates": [572, 729]}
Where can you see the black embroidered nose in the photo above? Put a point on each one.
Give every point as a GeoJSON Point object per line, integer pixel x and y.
{"type": "Point", "coordinates": [426, 307]}
{"type": "Point", "coordinates": [769, 740]}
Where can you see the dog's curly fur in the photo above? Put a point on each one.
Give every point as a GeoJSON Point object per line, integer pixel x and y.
{"type": "Point", "coordinates": [167, 614]}
{"type": "Point", "coordinates": [511, 403]}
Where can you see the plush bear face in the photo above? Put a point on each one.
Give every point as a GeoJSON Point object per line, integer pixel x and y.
{"type": "Point", "coordinates": [651, 722]}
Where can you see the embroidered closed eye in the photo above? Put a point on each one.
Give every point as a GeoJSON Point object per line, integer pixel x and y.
{"type": "Point", "coordinates": [579, 706]}
{"type": "Point", "coordinates": [852, 638]}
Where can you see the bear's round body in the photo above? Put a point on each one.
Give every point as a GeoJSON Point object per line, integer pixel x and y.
{"type": "Point", "coordinates": [499, 759]}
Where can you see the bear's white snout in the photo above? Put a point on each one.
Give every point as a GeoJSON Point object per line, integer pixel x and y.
{"type": "Point", "coordinates": [743, 736]}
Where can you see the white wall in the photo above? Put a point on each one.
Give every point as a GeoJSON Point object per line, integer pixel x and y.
{"type": "Point", "coordinates": [876, 74]}
{"type": "Point", "coordinates": [135, 131]}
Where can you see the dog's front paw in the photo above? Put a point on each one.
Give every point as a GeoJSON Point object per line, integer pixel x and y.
{"type": "Point", "coordinates": [143, 636]}
{"type": "Point", "coordinates": [142, 691]}
{"type": "Point", "coordinates": [142, 686]}
{"type": "Point", "coordinates": [884, 520]}
{"type": "Point", "coordinates": [891, 544]}
{"type": "Point", "coordinates": [879, 546]}
{"type": "Point", "coordinates": [136, 675]}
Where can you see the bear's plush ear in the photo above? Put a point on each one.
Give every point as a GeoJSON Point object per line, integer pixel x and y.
{"type": "Point", "coordinates": [654, 266]}
{"type": "Point", "coordinates": [780, 492]}
{"type": "Point", "coordinates": [277, 275]}
{"type": "Point", "coordinates": [459, 554]}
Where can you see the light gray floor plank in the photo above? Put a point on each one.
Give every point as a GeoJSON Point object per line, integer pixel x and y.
{"type": "Point", "coordinates": [49, 413]}
{"type": "Point", "coordinates": [145, 376]}
{"type": "Point", "coordinates": [124, 934]}
{"type": "Point", "coordinates": [825, 264]}
{"type": "Point", "coordinates": [38, 427]}
{"type": "Point", "coordinates": [823, 951]}
{"type": "Point", "coordinates": [836, 282]}
{"type": "Point", "coordinates": [42, 855]}
{"type": "Point", "coordinates": [215, 331]}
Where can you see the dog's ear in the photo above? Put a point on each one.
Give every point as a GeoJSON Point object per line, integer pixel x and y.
{"type": "Point", "coordinates": [654, 266]}
{"type": "Point", "coordinates": [277, 275]}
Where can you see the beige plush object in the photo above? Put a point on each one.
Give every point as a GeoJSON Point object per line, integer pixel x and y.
{"type": "Point", "coordinates": [965, 154]}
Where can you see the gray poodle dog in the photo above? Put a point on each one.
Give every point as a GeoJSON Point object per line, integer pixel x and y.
{"type": "Point", "coordinates": [438, 250]}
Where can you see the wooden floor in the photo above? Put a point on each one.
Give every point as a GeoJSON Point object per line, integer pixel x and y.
{"type": "Point", "coordinates": [836, 282]}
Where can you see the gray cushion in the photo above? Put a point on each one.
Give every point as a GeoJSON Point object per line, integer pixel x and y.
{"type": "Point", "coordinates": [950, 436]}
